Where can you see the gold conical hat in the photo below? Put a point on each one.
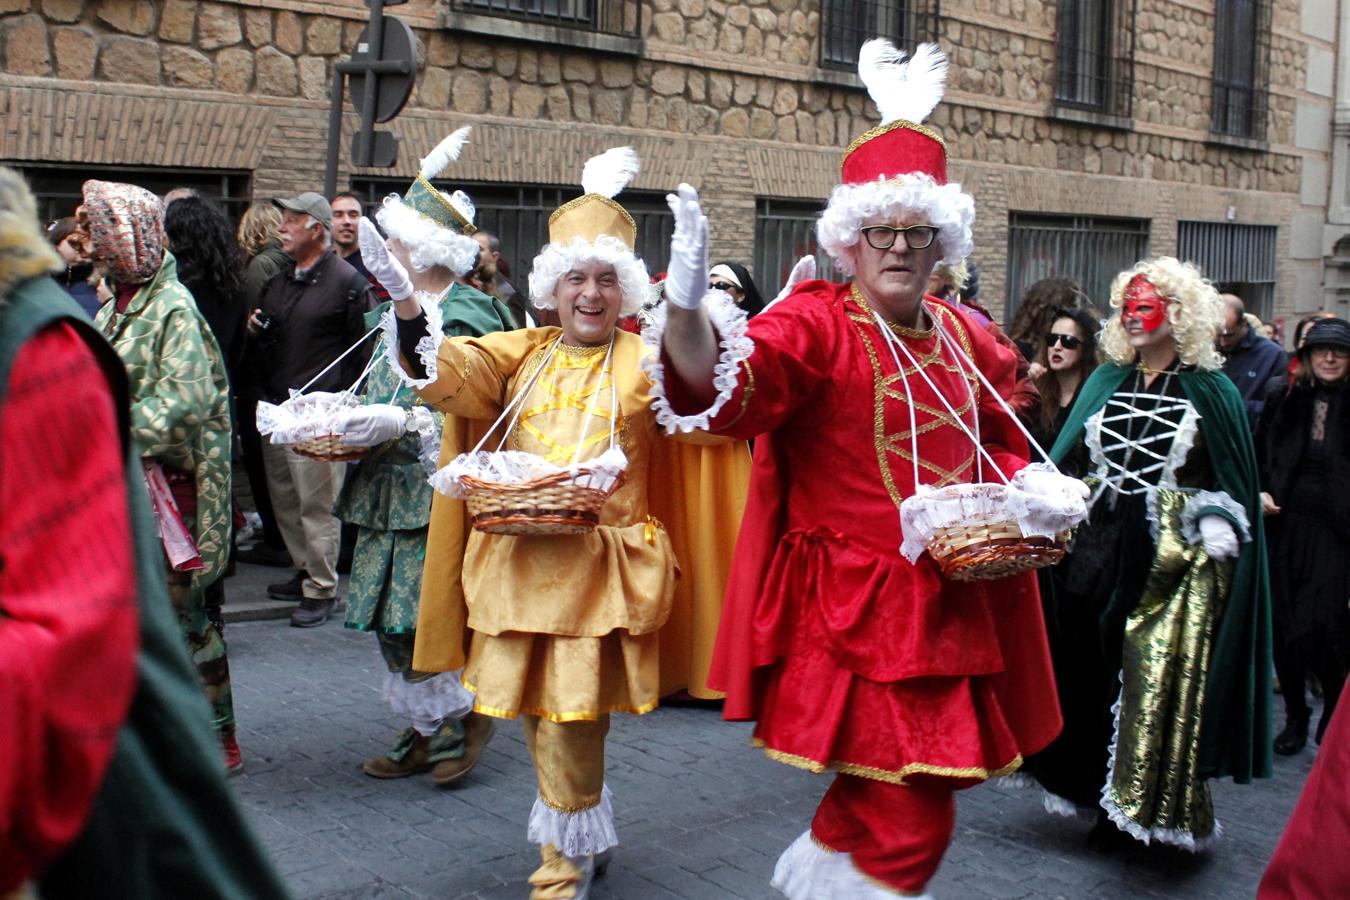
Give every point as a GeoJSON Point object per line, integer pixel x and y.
{"type": "Point", "coordinates": [590, 216]}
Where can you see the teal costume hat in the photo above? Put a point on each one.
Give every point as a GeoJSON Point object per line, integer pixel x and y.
{"type": "Point", "coordinates": [437, 228]}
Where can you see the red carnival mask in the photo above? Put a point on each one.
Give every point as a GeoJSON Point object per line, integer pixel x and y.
{"type": "Point", "coordinates": [1142, 301]}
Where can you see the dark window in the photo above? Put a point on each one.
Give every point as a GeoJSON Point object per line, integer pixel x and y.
{"type": "Point", "coordinates": [1239, 259]}
{"type": "Point", "coordinates": [57, 187]}
{"type": "Point", "coordinates": [1092, 250]}
{"type": "Point", "coordinates": [621, 17]}
{"type": "Point", "coordinates": [846, 24]}
{"type": "Point", "coordinates": [518, 215]}
{"type": "Point", "coordinates": [1095, 55]}
{"type": "Point", "coordinates": [785, 231]}
{"type": "Point", "coordinates": [1241, 66]}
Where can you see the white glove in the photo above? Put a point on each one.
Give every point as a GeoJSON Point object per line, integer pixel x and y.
{"type": "Point", "coordinates": [1035, 479]}
{"type": "Point", "coordinates": [1218, 536]}
{"type": "Point", "coordinates": [803, 270]}
{"type": "Point", "coordinates": [367, 426]}
{"type": "Point", "coordinates": [383, 267]}
{"type": "Point", "coordinates": [687, 275]}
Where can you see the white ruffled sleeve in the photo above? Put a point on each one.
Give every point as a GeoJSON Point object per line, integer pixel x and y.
{"type": "Point", "coordinates": [1216, 503]}
{"type": "Point", "coordinates": [428, 345]}
{"type": "Point", "coordinates": [734, 347]}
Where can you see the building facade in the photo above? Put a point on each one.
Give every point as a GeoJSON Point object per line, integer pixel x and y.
{"type": "Point", "coordinates": [1091, 132]}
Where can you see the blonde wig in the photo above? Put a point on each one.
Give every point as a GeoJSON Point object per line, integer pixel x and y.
{"type": "Point", "coordinates": [259, 226]}
{"type": "Point", "coordinates": [1195, 313]}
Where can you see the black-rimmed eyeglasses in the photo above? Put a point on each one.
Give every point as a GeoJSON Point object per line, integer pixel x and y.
{"type": "Point", "coordinates": [917, 237]}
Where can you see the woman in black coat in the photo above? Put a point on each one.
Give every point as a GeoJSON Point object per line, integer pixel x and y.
{"type": "Point", "coordinates": [1303, 442]}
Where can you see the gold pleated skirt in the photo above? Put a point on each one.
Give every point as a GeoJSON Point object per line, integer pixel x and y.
{"type": "Point", "coordinates": [563, 679]}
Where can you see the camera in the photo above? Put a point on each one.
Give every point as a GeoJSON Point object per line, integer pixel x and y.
{"type": "Point", "coordinates": [265, 321]}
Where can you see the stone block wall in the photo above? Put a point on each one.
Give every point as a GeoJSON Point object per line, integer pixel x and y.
{"type": "Point", "coordinates": [735, 83]}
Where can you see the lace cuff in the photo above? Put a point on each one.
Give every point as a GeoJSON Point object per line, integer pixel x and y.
{"type": "Point", "coordinates": [578, 833]}
{"type": "Point", "coordinates": [808, 870]}
{"type": "Point", "coordinates": [1206, 503]}
{"type": "Point", "coordinates": [428, 344]}
{"type": "Point", "coordinates": [434, 699]}
{"type": "Point", "coordinates": [423, 424]}
{"type": "Point", "coordinates": [729, 320]}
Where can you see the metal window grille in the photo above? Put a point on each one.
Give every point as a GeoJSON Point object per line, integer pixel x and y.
{"type": "Point", "coordinates": [1091, 250]}
{"type": "Point", "coordinates": [518, 215]}
{"type": "Point", "coordinates": [785, 231]}
{"type": "Point", "coordinates": [57, 187]}
{"type": "Point", "coordinates": [1095, 55]}
{"type": "Point", "coordinates": [1239, 259]}
{"type": "Point", "coordinates": [619, 17]}
{"type": "Point", "coordinates": [1241, 68]}
{"type": "Point", "coordinates": [846, 24]}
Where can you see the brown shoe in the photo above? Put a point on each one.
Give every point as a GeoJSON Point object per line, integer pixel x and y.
{"type": "Point", "coordinates": [409, 757]}
{"type": "Point", "coordinates": [478, 730]}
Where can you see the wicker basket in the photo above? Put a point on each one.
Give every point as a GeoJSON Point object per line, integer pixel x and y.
{"type": "Point", "coordinates": [554, 504]}
{"type": "Point", "coordinates": [987, 552]}
{"type": "Point", "coordinates": [329, 448]}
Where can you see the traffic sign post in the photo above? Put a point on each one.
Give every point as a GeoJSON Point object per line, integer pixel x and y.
{"type": "Point", "coordinates": [381, 74]}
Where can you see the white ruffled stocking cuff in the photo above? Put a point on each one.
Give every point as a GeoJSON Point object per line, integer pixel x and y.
{"type": "Point", "coordinates": [735, 347]}
{"type": "Point", "coordinates": [578, 833]}
{"type": "Point", "coordinates": [440, 697]}
{"type": "Point", "coordinates": [428, 345]}
{"type": "Point", "coordinates": [809, 871]}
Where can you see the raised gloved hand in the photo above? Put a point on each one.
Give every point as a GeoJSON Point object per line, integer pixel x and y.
{"type": "Point", "coordinates": [366, 426]}
{"type": "Point", "coordinates": [1218, 536]}
{"type": "Point", "coordinates": [380, 264]}
{"type": "Point", "coordinates": [687, 274]}
{"type": "Point", "coordinates": [803, 270]}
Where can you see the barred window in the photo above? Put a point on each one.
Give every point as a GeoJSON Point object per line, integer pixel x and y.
{"type": "Point", "coordinates": [1239, 259]}
{"type": "Point", "coordinates": [1241, 68]}
{"type": "Point", "coordinates": [785, 231]}
{"type": "Point", "coordinates": [846, 24]}
{"type": "Point", "coordinates": [57, 187]}
{"type": "Point", "coordinates": [1089, 249]}
{"type": "Point", "coordinates": [1095, 55]}
{"type": "Point", "coordinates": [518, 215]}
{"type": "Point", "coordinates": [621, 17]}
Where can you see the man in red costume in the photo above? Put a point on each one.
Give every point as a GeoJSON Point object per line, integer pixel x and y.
{"type": "Point", "coordinates": [852, 657]}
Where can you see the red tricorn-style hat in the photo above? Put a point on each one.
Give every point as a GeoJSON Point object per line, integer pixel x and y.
{"type": "Point", "coordinates": [905, 93]}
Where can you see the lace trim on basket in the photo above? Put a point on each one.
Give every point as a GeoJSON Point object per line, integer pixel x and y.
{"type": "Point", "coordinates": [517, 467]}
{"type": "Point", "coordinates": [578, 833]}
{"type": "Point", "coordinates": [735, 347]}
{"type": "Point", "coordinates": [428, 345]}
{"type": "Point", "coordinates": [304, 417]}
{"type": "Point", "coordinates": [1041, 514]}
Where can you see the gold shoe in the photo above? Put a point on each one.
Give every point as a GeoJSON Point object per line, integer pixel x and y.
{"type": "Point", "coordinates": [478, 730]}
{"type": "Point", "coordinates": [560, 877]}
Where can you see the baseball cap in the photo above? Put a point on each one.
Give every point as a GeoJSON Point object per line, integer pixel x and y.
{"type": "Point", "coordinates": [311, 203]}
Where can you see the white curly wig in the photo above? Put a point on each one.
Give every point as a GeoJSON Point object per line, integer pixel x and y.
{"type": "Point", "coordinates": [428, 243]}
{"type": "Point", "coordinates": [556, 260]}
{"type": "Point", "coordinates": [1195, 314]}
{"type": "Point", "coordinates": [852, 206]}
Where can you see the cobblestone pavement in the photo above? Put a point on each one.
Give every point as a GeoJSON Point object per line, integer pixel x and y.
{"type": "Point", "coordinates": [699, 813]}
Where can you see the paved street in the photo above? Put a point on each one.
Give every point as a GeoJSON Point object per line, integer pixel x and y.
{"type": "Point", "coordinates": [700, 814]}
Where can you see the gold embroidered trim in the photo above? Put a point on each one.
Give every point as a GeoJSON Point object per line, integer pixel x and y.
{"type": "Point", "coordinates": [582, 351]}
{"type": "Point", "coordinates": [464, 224]}
{"type": "Point", "coordinates": [745, 393]}
{"type": "Point", "coordinates": [885, 129]}
{"type": "Point", "coordinates": [902, 330]}
{"type": "Point", "coordinates": [571, 810]}
{"type": "Point", "coordinates": [588, 198]}
{"type": "Point", "coordinates": [886, 775]}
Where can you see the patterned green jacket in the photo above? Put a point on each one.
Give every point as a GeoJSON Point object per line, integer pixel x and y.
{"type": "Point", "coordinates": [180, 413]}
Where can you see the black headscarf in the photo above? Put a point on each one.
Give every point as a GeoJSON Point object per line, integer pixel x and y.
{"type": "Point", "coordinates": [752, 302]}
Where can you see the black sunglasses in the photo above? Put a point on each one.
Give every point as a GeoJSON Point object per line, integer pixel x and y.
{"type": "Point", "coordinates": [917, 237]}
{"type": "Point", "coordinates": [722, 286]}
{"type": "Point", "coordinates": [1067, 341]}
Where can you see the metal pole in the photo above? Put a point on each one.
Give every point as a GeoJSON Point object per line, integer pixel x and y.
{"type": "Point", "coordinates": [334, 132]}
{"type": "Point", "coordinates": [375, 52]}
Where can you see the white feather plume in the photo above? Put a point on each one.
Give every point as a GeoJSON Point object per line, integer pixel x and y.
{"type": "Point", "coordinates": [902, 90]}
{"type": "Point", "coordinates": [446, 152]}
{"type": "Point", "coordinates": [610, 172]}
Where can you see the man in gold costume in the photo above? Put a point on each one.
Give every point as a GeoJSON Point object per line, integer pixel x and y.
{"type": "Point", "coordinates": [561, 630]}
